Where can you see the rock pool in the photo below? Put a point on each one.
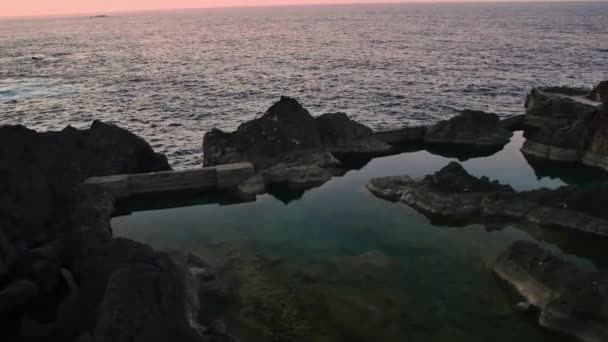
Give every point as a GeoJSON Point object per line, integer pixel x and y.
{"type": "Point", "coordinates": [338, 264]}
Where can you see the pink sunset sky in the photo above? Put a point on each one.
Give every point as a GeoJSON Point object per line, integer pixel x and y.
{"type": "Point", "coordinates": [56, 7]}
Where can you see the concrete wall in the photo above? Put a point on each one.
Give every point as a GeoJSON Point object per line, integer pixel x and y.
{"type": "Point", "coordinates": [218, 177]}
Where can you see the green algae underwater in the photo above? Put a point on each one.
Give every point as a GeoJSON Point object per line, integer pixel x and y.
{"type": "Point", "coordinates": [339, 264]}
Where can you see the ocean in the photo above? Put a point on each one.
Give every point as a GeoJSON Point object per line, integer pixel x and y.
{"type": "Point", "coordinates": [170, 76]}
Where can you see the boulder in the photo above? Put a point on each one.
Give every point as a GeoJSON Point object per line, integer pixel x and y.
{"type": "Point", "coordinates": [513, 123]}
{"type": "Point", "coordinates": [571, 300]}
{"type": "Point", "coordinates": [451, 196]}
{"type": "Point", "coordinates": [65, 326]}
{"type": "Point", "coordinates": [43, 241]}
{"type": "Point", "coordinates": [402, 136]}
{"type": "Point", "coordinates": [342, 136]}
{"type": "Point", "coordinates": [291, 149]}
{"type": "Point", "coordinates": [303, 173]}
{"type": "Point", "coordinates": [564, 125]}
{"type": "Point", "coordinates": [470, 128]}
{"type": "Point", "coordinates": [285, 127]}
{"type": "Point", "coordinates": [600, 92]}
{"type": "Point", "coordinates": [147, 302]}
{"type": "Point", "coordinates": [17, 295]}
{"type": "Point", "coordinates": [52, 164]}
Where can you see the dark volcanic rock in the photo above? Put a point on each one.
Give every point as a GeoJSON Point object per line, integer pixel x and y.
{"type": "Point", "coordinates": [564, 125]}
{"type": "Point", "coordinates": [513, 123]}
{"type": "Point", "coordinates": [146, 301]}
{"type": "Point", "coordinates": [305, 173]}
{"type": "Point", "coordinates": [451, 196]}
{"type": "Point", "coordinates": [16, 296]}
{"type": "Point", "coordinates": [453, 178]}
{"type": "Point", "coordinates": [292, 149]}
{"type": "Point", "coordinates": [470, 128]}
{"type": "Point", "coordinates": [52, 164]}
{"type": "Point", "coordinates": [342, 136]}
{"type": "Point", "coordinates": [402, 136]}
{"type": "Point", "coordinates": [600, 92]}
{"type": "Point", "coordinates": [66, 231]}
{"type": "Point", "coordinates": [286, 127]}
{"type": "Point", "coordinates": [571, 300]}
{"type": "Point", "coordinates": [469, 134]}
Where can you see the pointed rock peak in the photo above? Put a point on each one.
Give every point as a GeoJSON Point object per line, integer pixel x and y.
{"type": "Point", "coordinates": [453, 167]}
{"type": "Point", "coordinates": [287, 108]}
{"type": "Point", "coordinates": [453, 178]}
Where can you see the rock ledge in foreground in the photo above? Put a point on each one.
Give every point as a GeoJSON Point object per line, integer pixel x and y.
{"type": "Point", "coordinates": [451, 196]}
{"type": "Point", "coordinates": [570, 300]}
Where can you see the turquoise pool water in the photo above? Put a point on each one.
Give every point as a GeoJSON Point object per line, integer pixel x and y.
{"type": "Point", "coordinates": [339, 264]}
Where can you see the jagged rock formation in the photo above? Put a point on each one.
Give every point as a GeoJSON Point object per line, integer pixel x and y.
{"type": "Point", "coordinates": [564, 125]}
{"type": "Point", "coordinates": [469, 128]}
{"type": "Point", "coordinates": [63, 276]}
{"type": "Point", "coordinates": [469, 134]}
{"type": "Point", "coordinates": [290, 147]}
{"type": "Point", "coordinates": [571, 300]}
{"type": "Point", "coordinates": [453, 197]}
{"type": "Point", "coordinates": [286, 129]}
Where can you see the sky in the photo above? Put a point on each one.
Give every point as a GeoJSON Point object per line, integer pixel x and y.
{"type": "Point", "coordinates": [9, 8]}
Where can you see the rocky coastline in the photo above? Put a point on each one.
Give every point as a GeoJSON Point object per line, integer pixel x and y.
{"type": "Point", "coordinates": [64, 277]}
{"type": "Point", "coordinates": [561, 125]}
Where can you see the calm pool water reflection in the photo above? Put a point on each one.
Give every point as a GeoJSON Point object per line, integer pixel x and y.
{"type": "Point", "coordinates": [339, 264]}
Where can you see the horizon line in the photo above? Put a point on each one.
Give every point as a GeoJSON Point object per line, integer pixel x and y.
{"type": "Point", "coordinates": [386, 2]}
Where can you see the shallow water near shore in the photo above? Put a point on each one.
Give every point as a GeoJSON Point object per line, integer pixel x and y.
{"type": "Point", "coordinates": [339, 264]}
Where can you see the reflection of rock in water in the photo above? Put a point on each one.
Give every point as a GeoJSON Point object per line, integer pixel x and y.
{"type": "Point", "coordinates": [569, 173]}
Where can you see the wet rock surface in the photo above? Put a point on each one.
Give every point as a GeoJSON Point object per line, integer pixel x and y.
{"type": "Point", "coordinates": [451, 196]}
{"type": "Point", "coordinates": [567, 125]}
{"type": "Point", "coordinates": [570, 300]}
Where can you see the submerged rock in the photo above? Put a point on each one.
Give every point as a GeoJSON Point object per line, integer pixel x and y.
{"type": "Point", "coordinates": [564, 125]}
{"type": "Point", "coordinates": [451, 196]}
{"type": "Point", "coordinates": [571, 300]}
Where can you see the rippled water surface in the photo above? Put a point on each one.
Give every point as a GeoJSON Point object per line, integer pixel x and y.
{"type": "Point", "coordinates": [170, 76]}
